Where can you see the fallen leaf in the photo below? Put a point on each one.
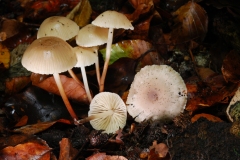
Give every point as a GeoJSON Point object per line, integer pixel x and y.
{"type": "Point", "coordinates": [22, 121]}
{"type": "Point", "coordinates": [4, 56]}
{"type": "Point", "coordinates": [190, 23]}
{"type": "Point", "coordinates": [133, 49]}
{"type": "Point", "coordinates": [230, 67]}
{"type": "Point", "coordinates": [35, 128]}
{"type": "Point", "coordinates": [14, 85]}
{"type": "Point", "coordinates": [67, 152]}
{"type": "Point", "coordinates": [81, 13]}
{"type": "Point", "coordinates": [103, 156]}
{"type": "Point", "coordinates": [29, 150]}
{"type": "Point", "coordinates": [207, 116]}
{"type": "Point", "coordinates": [158, 151]}
{"type": "Point", "coordinates": [73, 89]}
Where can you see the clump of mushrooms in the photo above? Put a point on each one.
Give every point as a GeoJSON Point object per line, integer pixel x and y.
{"type": "Point", "coordinates": [111, 20]}
{"type": "Point", "coordinates": [92, 36]}
{"type": "Point", "coordinates": [157, 92]}
{"type": "Point", "coordinates": [107, 112]}
{"type": "Point", "coordinates": [47, 55]}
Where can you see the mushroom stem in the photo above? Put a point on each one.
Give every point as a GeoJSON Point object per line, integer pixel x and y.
{"type": "Point", "coordinates": [64, 96]}
{"type": "Point", "coordinates": [97, 72]}
{"type": "Point", "coordinates": [73, 75]}
{"type": "Point", "coordinates": [92, 117]}
{"type": "Point", "coordinates": [85, 82]}
{"type": "Point", "coordinates": [108, 54]}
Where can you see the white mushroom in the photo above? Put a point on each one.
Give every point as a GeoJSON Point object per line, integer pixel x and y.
{"type": "Point", "coordinates": [157, 92]}
{"type": "Point", "coordinates": [86, 57]}
{"type": "Point", "coordinates": [47, 55]}
{"type": "Point", "coordinates": [107, 112]}
{"type": "Point", "coordinates": [58, 26]}
{"type": "Point", "coordinates": [233, 109]}
{"type": "Point", "coordinates": [112, 20]}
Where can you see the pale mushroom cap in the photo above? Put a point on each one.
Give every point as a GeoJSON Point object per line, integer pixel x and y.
{"type": "Point", "coordinates": [48, 55]}
{"type": "Point", "coordinates": [91, 35]}
{"type": "Point", "coordinates": [85, 56]}
{"type": "Point", "coordinates": [106, 101]}
{"type": "Point", "coordinates": [58, 26]}
{"type": "Point", "coordinates": [112, 19]}
{"type": "Point", "coordinates": [157, 93]}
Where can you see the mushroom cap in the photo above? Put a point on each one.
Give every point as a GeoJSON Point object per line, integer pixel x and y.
{"type": "Point", "coordinates": [157, 93]}
{"type": "Point", "coordinates": [106, 101]}
{"type": "Point", "coordinates": [112, 19]}
{"type": "Point", "coordinates": [48, 55]}
{"type": "Point", "coordinates": [85, 56]}
{"type": "Point", "coordinates": [58, 26]}
{"type": "Point", "coordinates": [91, 35]}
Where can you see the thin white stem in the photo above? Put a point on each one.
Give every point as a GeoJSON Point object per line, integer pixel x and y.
{"type": "Point", "coordinates": [108, 54]}
{"type": "Point", "coordinates": [92, 117]}
{"type": "Point", "coordinates": [85, 82]}
{"type": "Point", "coordinates": [73, 75]}
{"type": "Point", "coordinates": [97, 72]}
{"type": "Point", "coordinates": [64, 96]}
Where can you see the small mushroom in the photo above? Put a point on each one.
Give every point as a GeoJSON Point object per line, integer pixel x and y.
{"type": "Point", "coordinates": [107, 112]}
{"type": "Point", "coordinates": [90, 36]}
{"type": "Point", "coordinates": [112, 20]}
{"type": "Point", "coordinates": [86, 57]}
{"type": "Point", "coordinates": [47, 55]}
{"type": "Point", "coordinates": [58, 26]}
{"type": "Point", "coordinates": [157, 93]}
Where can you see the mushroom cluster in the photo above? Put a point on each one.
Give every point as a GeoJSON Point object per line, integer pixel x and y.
{"type": "Point", "coordinates": [158, 92]}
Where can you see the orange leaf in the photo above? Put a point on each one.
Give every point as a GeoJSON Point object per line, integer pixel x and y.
{"type": "Point", "coordinates": [4, 56]}
{"type": "Point", "coordinates": [66, 150]}
{"type": "Point", "coordinates": [207, 116]}
{"type": "Point", "coordinates": [30, 150]}
{"type": "Point", "coordinates": [72, 89]}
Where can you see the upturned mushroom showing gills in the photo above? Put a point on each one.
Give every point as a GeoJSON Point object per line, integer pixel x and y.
{"type": "Point", "coordinates": [107, 112]}
{"type": "Point", "coordinates": [112, 20]}
{"type": "Point", "coordinates": [157, 93]}
{"type": "Point", "coordinates": [58, 26]}
{"type": "Point", "coordinates": [47, 55]}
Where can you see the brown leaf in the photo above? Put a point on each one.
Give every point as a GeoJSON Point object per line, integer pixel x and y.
{"type": "Point", "coordinates": [4, 55]}
{"type": "Point", "coordinates": [36, 128]}
{"type": "Point", "coordinates": [14, 85]}
{"type": "Point", "coordinates": [66, 150]}
{"type": "Point", "coordinates": [72, 89]}
{"type": "Point", "coordinates": [230, 67]}
{"type": "Point", "coordinates": [103, 156]}
{"type": "Point", "coordinates": [30, 150]}
{"type": "Point", "coordinates": [141, 7]}
{"type": "Point", "coordinates": [190, 23]}
{"type": "Point", "coordinates": [207, 116]}
{"type": "Point", "coordinates": [22, 121]}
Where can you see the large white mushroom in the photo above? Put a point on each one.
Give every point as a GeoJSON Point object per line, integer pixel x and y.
{"type": "Point", "coordinates": [47, 55]}
{"type": "Point", "coordinates": [111, 20]}
{"type": "Point", "coordinates": [107, 112]}
{"type": "Point", "coordinates": [157, 93]}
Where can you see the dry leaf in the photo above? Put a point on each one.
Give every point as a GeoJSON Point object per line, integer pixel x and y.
{"type": "Point", "coordinates": [190, 23]}
{"type": "Point", "coordinates": [207, 116]}
{"type": "Point", "coordinates": [4, 56]}
{"type": "Point", "coordinates": [67, 152]}
{"type": "Point", "coordinates": [230, 67]}
{"type": "Point", "coordinates": [73, 90]}
{"type": "Point", "coordinates": [30, 150]}
{"type": "Point", "coordinates": [14, 85]}
{"type": "Point", "coordinates": [38, 127]}
{"type": "Point", "coordinates": [103, 156]}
